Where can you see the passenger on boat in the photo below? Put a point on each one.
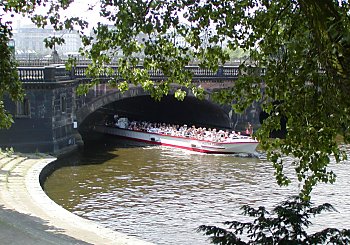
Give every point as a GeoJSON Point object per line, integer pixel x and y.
{"type": "Point", "coordinates": [249, 130]}
{"type": "Point", "coordinates": [184, 131]}
{"type": "Point", "coordinates": [115, 118]}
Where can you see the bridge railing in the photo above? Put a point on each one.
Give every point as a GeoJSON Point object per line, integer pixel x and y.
{"type": "Point", "coordinates": [223, 72]}
{"type": "Point", "coordinates": [56, 73]}
{"type": "Point", "coordinates": [31, 74]}
{"type": "Point", "coordinates": [81, 61]}
{"type": "Point", "coordinates": [45, 74]}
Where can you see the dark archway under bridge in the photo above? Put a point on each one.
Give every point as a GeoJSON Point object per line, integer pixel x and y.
{"type": "Point", "coordinates": [191, 111]}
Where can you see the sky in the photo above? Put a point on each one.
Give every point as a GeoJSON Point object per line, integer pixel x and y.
{"type": "Point", "coordinates": [79, 8]}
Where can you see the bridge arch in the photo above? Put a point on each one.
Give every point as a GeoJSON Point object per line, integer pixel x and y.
{"type": "Point", "coordinates": [55, 108]}
{"type": "Point", "coordinates": [137, 103]}
{"type": "Point", "coordinates": [103, 98]}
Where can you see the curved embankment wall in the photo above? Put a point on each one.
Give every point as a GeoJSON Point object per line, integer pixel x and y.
{"type": "Point", "coordinates": [28, 214]}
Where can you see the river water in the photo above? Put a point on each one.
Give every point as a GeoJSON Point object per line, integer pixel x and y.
{"type": "Point", "coordinates": [162, 194]}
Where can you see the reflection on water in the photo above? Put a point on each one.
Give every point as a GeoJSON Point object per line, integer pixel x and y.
{"type": "Point", "coordinates": [163, 194]}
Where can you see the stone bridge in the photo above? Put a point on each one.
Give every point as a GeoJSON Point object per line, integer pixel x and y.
{"type": "Point", "coordinates": [52, 116]}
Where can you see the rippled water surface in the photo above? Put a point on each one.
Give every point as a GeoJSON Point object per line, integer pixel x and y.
{"type": "Point", "coordinates": [163, 194]}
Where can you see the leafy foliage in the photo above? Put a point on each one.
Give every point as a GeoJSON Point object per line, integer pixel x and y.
{"type": "Point", "coordinates": [286, 224]}
{"type": "Point", "coordinates": [297, 67]}
{"type": "Point", "coordinates": [9, 82]}
{"type": "Point", "coordinates": [302, 47]}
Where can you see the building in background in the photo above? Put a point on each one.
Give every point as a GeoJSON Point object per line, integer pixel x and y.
{"type": "Point", "coordinates": [30, 44]}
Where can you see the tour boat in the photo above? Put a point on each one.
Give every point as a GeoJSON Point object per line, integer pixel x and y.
{"type": "Point", "coordinates": [241, 144]}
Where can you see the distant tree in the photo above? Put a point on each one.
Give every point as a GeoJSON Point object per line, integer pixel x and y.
{"type": "Point", "coordinates": [237, 55]}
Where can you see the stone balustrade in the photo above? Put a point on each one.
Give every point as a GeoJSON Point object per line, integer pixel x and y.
{"type": "Point", "coordinates": [56, 73]}
{"type": "Point", "coordinates": [47, 74]}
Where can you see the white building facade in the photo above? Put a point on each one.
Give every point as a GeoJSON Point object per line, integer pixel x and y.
{"type": "Point", "coordinates": [29, 42]}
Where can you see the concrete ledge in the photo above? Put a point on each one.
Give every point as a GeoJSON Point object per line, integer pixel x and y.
{"type": "Point", "coordinates": [29, 216]}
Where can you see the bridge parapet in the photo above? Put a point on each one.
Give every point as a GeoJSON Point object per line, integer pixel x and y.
{"type": "Point", "coordinates": [49, 74]}
{"type": "Point", "coordinates": [31, 74]}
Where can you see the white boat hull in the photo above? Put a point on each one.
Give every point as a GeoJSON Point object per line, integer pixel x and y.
{"type": "Point", "coordinates": [242, 145]}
